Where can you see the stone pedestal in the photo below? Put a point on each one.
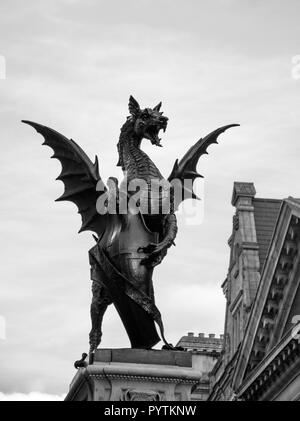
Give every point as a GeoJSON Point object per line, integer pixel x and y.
{"type": "Point", "coordinates": [135, 375]}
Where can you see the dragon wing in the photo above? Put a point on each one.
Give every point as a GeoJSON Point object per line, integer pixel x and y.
{"type": "Point", "coordinates": [79, 175]}
{"type": "Point", "coordinates": [186, 168]}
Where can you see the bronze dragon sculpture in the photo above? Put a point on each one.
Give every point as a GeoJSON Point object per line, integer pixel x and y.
{"type": "Point", "coordinates": [130, 243]}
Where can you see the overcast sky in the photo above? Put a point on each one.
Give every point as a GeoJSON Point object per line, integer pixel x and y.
{"type": "Point", "coordinates": [72, 65]}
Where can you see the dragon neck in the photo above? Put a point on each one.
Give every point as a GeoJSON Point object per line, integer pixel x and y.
{"type": "Point", "coordinates": [135, 162]}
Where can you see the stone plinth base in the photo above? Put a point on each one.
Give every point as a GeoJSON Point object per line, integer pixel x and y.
{"type": "Point", "coordinates": [135, 375]}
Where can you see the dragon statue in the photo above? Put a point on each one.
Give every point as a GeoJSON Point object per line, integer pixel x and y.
{"type": "Point", "coordinates": [128, 244]}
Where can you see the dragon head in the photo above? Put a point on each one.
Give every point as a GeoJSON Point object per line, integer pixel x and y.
{"type": "Point", "coordinates": [147, 122]}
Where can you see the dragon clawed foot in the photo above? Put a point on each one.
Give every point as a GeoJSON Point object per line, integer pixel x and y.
{"type": "Point", "coordinates": [150, 248]}
{"type": "Point", "coordinates": [156, 253]}
{"type": "Point", "coordinates": [81, 363]}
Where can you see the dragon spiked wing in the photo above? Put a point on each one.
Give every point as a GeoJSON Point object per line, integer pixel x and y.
{"type": "Point", "coordinates": [79, 175]}
{"type": "Point", "coordinates": [186, 168]}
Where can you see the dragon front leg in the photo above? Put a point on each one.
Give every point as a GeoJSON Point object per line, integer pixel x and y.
{"type": "Point", "coordinates": [158, 251]}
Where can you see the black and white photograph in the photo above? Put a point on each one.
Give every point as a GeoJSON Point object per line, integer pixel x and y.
{"type": "Point", "coordinates": [156, 257]}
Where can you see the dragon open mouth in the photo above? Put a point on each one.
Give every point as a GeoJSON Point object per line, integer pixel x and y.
{"type": "Point", "coordinates": [152, 133]}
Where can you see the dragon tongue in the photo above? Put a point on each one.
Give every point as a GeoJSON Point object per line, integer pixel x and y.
{"type": "Point", "coordinates": [158, 142]}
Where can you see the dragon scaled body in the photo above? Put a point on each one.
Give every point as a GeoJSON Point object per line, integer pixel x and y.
{"type": "Point", "coordinates": [128, 245]}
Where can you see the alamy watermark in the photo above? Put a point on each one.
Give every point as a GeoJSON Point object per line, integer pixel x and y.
{"type": "Point", "coordinates": [151, 197]}
{"type": "Point", "coordinates": [2, 328]}
{"type": "Point", "coordinates": [2, 67]}
{"type": "Point", "coordinates": [296, 67]}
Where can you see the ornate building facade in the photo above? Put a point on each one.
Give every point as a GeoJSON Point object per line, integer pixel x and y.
{"type": "Point", "coordinates": [260, 359]}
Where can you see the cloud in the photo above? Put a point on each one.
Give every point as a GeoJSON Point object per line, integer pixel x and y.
{"type": "Point", "coordinates": [32, 396]}
{"type": "Point", "coordinates": [72, 66]}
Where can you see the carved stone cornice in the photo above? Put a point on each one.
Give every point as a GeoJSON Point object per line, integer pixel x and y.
{"type": "Point", "coordinates": [268, 373]}
{"type": "Point", "coordinates": [137, 378]}
{"type": "Point", "coordinates": [123, 380]}
{"type": "Point", "coordinates": [278, 289]}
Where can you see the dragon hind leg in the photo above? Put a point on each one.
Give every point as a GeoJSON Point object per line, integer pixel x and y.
{"type": "Point", "coordinates": [100, 301]}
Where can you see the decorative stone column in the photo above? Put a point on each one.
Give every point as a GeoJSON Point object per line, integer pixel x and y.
{"type": "Point", "coordinates": [244, 222]}
{"type": "Point", "coordinates": [243, 275]}
{"type": "Point", "coordinates": [135, 375]}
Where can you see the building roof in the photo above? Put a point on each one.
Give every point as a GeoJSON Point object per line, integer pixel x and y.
{"type": "Point", "coordinates": [269, 323]}
{"type": "Point", "coordinates": [201, 342]}
{"type": "Point", "coordinates": [265, 215]}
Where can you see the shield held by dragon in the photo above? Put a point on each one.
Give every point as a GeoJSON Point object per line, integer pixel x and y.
{"type": "Point", "coordinates": [128, 244]}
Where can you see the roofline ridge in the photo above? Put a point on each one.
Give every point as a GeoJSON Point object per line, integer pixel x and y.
{"type": "Point", "coordinates": [267, 199]}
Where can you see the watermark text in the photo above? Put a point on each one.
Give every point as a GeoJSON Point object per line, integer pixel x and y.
{"type": "Point", "coordinates": [2, 67]}
{"type": "Point", "coordinates": [296, 67]}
